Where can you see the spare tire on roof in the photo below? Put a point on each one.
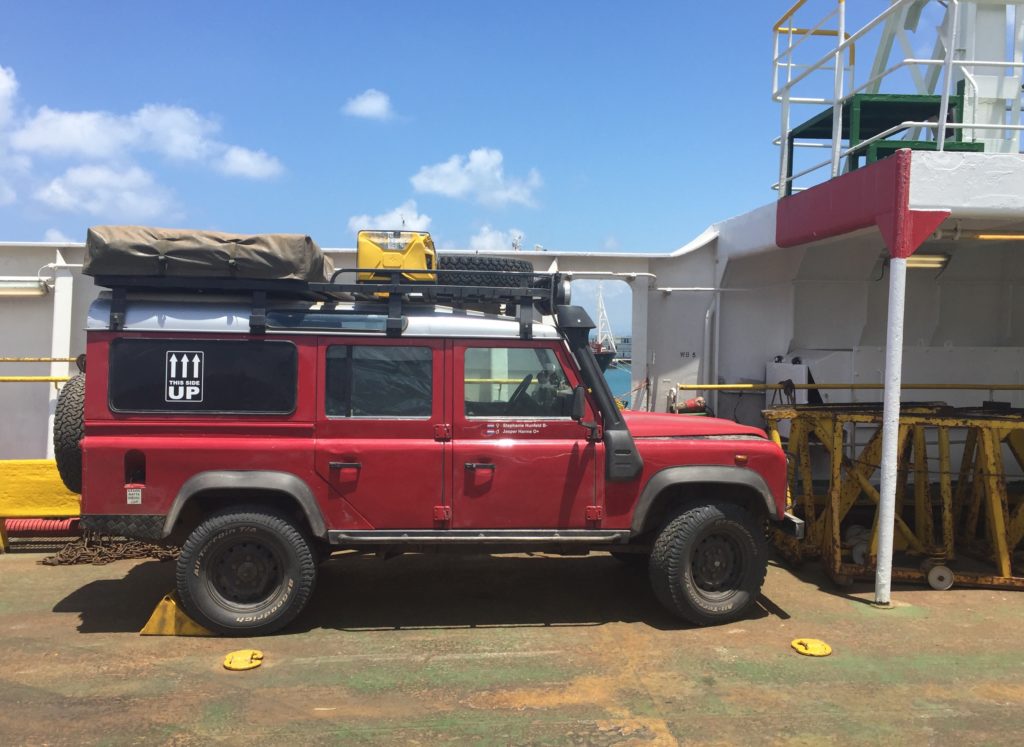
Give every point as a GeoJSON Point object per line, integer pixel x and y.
{"type": "Point", "coordinates": [68, 429]}
{"type": "Point", "coordinates": [473, 269]}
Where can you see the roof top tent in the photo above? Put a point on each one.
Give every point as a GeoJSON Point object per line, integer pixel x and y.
{"type": "Point", "coordinates": [893, 255]}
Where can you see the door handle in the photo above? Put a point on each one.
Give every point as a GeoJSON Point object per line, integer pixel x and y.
{"type": "Point", "coordinates": [344, 465]}
{"type": "Point", "coordinates": [480, 465]}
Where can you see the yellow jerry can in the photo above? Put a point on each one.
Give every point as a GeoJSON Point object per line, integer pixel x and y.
{"type": "Point", "coordinates": [411, 251]}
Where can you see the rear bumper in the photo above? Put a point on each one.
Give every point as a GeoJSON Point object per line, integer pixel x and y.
{"type": "Point", "coordinates": [791, 525]}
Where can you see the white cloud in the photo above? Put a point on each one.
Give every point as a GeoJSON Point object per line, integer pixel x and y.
{"type": "Point", "coordinates": [118, 195]}
{"type": "Point", "coordinates": [370, 104]}
{"type": "Point", "coordinates": [84, 134]}
{"type": "Point", "coordinates": [481, 176]}
{"type": "Point", "coordinates": [252, 164]}
{"type": "Point", "coordinates": [56, 236]}
{"type": "Point", "coordinates": [13, 168]}
{"type": "Point", "coordinates": [8, 90]}
{"type": "Point", "coordinates": [404, 216]}
{"type": "Point", "coordinates": [611, 244]}
{"type": "Point", "coordinates": [488, 238]}
{"type": "Point", "coordinates": [175, 132]}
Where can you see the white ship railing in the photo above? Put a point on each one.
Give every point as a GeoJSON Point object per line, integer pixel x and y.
{"type": "Point", "coordinates": [791, 78]}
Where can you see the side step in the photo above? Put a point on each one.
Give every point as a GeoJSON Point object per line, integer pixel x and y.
{"type": "Point", "coordinates": [475, 536]}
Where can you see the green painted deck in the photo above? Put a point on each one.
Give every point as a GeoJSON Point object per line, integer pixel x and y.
{"type": "Point", "coordinates": [506, 650]}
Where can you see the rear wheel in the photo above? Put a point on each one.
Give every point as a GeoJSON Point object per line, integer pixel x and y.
{"type": "Point", "coordinates": [68, 429]}
{"type": "Point", "coordinates": [709, 563]}
{"type": "Point", "coordinates": [246, 572]}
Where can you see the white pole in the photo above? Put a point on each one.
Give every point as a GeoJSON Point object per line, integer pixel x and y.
{"type": "Point", "coordinates": [947, 72]}
{"type": "Point", "coordinates": [837, 92]}
{"type": "Point", "coordinates": [890, 427]}
{"type": "Point", "coordinates": [784, 164]}
{"type": "Point", "coordinates": [715, 341]}
{"type": "Point", "coordinates": [641, 288]}
{"type": "Point", "coordinates": [60, 336]}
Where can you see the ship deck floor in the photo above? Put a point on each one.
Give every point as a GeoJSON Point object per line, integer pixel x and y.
{"type": "Point", "coordinates": [507, 650]}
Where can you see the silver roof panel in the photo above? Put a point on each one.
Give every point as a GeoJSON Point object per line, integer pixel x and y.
{"type": "Point", "coordinates": [228, 315]}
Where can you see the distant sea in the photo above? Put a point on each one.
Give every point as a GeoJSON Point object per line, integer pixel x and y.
{"type": "Point", "coordinates": [619, 379]}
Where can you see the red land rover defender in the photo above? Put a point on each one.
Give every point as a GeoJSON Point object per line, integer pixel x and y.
{"type": "Point", "coordinates": [243, 403]}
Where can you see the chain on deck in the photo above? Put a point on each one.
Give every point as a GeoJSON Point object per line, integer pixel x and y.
{"type": "Point", "coordinates": [95, 549]}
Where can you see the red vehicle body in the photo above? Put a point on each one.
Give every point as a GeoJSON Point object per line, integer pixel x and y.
{"type": "Point", "coordinates": [307, 437]}
{"type": "Point", "coordinates": [529, 462]}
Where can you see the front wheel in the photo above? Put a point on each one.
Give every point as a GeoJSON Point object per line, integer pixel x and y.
{"type": "Point", "coordinates": [246, 572]}
{"type": "Point", "coordinates": [709, 563]}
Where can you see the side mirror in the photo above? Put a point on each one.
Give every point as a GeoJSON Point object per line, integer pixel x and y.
{"type": "Point", "coordinates": [579, 403]}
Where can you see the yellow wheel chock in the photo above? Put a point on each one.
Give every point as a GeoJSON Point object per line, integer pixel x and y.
{"type": "Point", "coordinates": [169, 619]}
{"type": "Point", "coordinates": [239, 661]}
{"type": "Point", "coordinates": [811, 647]}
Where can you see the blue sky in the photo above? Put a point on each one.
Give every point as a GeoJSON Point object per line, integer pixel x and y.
{"type": "Point", "coordinates": [581, 125]}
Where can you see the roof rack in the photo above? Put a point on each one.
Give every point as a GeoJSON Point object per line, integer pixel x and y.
{"type": "Point", "coordinates": [522, 295]}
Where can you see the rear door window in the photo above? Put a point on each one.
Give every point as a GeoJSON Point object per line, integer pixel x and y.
{"type": "Point", "coordinates": [379, 381]}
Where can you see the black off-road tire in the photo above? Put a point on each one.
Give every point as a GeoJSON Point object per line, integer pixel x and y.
{"type": "Point", "coordinates": [709, 563]}
{"type": "Point", "coordinates": [68, 429]}
{"type": "Point", "coordinates": [478, 270]}
{"type": "Point", "coordinates": [246, 571]}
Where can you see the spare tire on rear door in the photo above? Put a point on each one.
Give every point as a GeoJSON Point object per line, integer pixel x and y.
{"type": "Point", "coordinates": [477, 270]}
{"type": "Point", "coordinates": [68, 429]}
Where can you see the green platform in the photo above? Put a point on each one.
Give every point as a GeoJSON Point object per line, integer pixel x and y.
{"type": "Point", "coordinates": [868, 114]}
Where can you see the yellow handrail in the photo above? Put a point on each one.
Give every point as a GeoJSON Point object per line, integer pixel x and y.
{"type": "Point", "coordinates": [23, 359]}
{"type": "Point", "coordinates": [822, 32]}
{"type": "Point", "coordinates": [789, 14]}
{"type": "Point", "coordinates": [492, 381]}
{"type": "Point", "coordinates": [774, 387]}
{"type": "Point", "coordinates": [31, 379]}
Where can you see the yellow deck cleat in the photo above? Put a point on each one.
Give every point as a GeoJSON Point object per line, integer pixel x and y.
{"type": "Point", "coordinates": [811, 647]}
{"type": "Point", "coordinates": [239, 661]}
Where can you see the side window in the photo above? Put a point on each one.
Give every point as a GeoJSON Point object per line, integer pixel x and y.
{"type": "Point", "coordinates": [379, 381]}
{"type": "Point", "coordinates": [256, 377]}
{"type": "Point", "coordinates": [515, 382]}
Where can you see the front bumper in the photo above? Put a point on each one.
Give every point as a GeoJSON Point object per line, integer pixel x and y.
{"type": "Point", "coordinates": [791, 525]}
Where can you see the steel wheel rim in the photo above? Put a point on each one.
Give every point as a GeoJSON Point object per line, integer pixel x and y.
{"type": "Point", "coordinates": [716, 565]}
{"type": "Point", "coordinates": [245, 574]}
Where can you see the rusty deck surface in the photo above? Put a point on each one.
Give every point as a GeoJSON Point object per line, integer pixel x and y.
{"type": "Point", "coordinates": [506, 650]}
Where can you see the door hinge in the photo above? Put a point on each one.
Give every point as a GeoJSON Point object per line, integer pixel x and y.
{"type": "Point", "coordinates": [442, 432]}
{"type": "Point", "coordinates": [595, 513]}
{"type": "Point", "coordinates": [442, 513]}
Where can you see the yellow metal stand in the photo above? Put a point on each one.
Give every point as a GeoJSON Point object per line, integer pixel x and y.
{"type": "Point", "coordinates": [935, 520]}
{"type": "Point", "coordinates": [32, 489]}
{"type": "Point", "coordinates": [169, 619]}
